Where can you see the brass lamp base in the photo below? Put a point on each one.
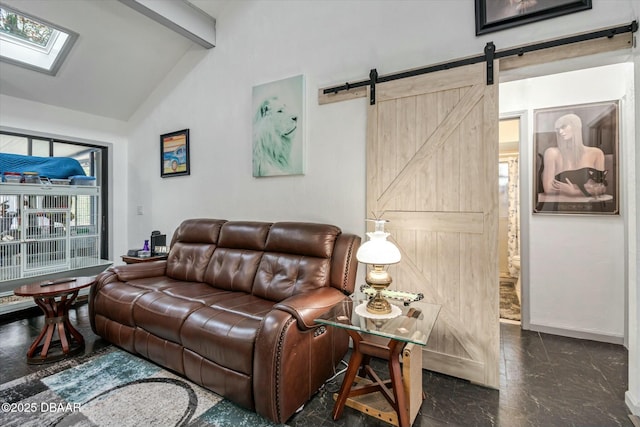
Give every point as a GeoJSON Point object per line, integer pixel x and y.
{"type": "Point", "coordinates": [379, 279]}
{"type": "Point", "coordinates": [378, 305]}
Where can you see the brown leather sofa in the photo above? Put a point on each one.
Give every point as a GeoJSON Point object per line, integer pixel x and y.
{"type": "Point", "coordinates": [232, 308]}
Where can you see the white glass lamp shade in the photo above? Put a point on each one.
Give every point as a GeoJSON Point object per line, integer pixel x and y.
{"type": "Point", "coordinates": [378, 250]}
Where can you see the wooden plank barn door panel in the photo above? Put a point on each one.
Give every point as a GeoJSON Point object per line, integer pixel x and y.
{"type": "Point", "coordinates": [432, 159]}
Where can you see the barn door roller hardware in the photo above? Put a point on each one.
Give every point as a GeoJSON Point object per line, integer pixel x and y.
{"type": "Point", "coordinates": [373, 79]}
{"type": "Point", "coordinates": [490, 54]}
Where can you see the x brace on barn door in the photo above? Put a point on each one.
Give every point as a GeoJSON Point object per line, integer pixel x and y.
{"type": "Point", "coordinates": [489, 56]}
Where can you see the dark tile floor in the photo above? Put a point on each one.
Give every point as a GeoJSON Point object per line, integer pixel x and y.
{"type": "Point", "coordinates": [546, 380]}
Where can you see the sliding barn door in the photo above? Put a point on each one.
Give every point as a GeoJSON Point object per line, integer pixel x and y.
{"type": "Point", "coordinates": [432, 159]}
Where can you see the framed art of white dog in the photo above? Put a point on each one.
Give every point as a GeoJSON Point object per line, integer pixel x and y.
{"type": "Point", "coordinates": [278, 127]}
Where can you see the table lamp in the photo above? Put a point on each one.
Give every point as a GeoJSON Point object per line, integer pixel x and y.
{"type": "Point", "coordinates": [379, 253]}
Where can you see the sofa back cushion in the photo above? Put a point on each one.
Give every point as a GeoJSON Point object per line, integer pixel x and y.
{"type": "Point", "coordinates": [235, 261]}
{"type": "Point", "coordinates": [296, 259]}
{"type": "Point", "coordinates": [192, 245]}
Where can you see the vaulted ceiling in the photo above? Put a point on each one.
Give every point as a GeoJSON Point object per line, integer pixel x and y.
{"type": "Point", "coordinates": [119, 58]}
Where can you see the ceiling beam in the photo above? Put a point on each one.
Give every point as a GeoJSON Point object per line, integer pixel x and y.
{"type": "Point", "coordinates": [181, 17]}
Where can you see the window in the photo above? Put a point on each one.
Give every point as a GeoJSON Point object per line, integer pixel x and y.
{"type": "Point", "coordinates": [33, 43]}
{"type": "Point", "coordinates": [14, 144]}
{"type": "Point", "coordinates": [40, 147]}
{"type": "Point", "coordinates": [92, 158]}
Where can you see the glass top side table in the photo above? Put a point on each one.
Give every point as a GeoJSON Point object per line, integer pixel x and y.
{"type": "Point", "coordinates": [384, 338]}
{"type": "Point", "coordinates": [414, 324]}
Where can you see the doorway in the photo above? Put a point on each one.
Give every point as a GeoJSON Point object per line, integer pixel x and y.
{"type": "Point", "coordinates": [582, 296]}
{"type": "Point", "coordinates": [509, 220]}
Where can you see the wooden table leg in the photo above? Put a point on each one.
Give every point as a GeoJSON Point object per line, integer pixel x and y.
{"type": "Point", "coordinates": [352, 370]}
{"type": "Point", "coordinates": [396, 380]}
{"type": "Point", "coordinates": [48, 309]}
{"type": "Point", "coordinates": [61, 312]}
{"type": "Point", "coordinates": [47, 341]}
{"type": "Point", "coordinates": [67, 323]}
{"type": "Point", "coordinates": [392, 390]}
{"type": "Point", "coordinates": [56, 319]}
{"type": "Point", "coordinates": [43, 331]}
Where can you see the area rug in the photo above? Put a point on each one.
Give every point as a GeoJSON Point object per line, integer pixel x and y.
{"type": "Point", "coordinates": [509, 303]}
{"type": "Point", "coordinates": [115, 388]}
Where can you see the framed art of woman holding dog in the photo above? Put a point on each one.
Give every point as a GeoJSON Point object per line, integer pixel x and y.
{"type": "Point", "coordinates": [576, 159]}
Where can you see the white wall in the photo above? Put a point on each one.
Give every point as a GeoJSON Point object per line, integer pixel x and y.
{"type": "Point", "coordinates": [18, 115]}
{"type": "Point", "coordinates": [576, 264]}
{"type": "Point", "coordinates": [262, 41]}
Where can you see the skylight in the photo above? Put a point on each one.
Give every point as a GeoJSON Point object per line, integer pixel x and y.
{"type": "Point", "coordinates": [32, 42]}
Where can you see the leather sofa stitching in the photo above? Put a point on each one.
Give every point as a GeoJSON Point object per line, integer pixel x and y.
{"type": "Point", "coordinates": [279, 363]}
{"type": "Point", "coordinates": [345, 278]}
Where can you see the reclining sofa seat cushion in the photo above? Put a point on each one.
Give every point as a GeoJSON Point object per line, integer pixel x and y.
{"type": "Point", "coordinates": [231, 267]}
{"type": "Point", "coordinates": [288, 265]}
{"type": "Point", "coordinates": [159, 313]}
{"type": "Point", "coordinates": [232, 321]}
{"type": "Point", "coordinates": [229, 276]}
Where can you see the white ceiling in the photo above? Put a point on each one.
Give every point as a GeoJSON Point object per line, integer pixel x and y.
{"type": "Point", "coordinates": [119, 58]}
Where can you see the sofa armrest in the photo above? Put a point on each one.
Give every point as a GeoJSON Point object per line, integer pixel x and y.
{"type": "Point", "coordinates": [102, 279]}
{"type": "Point", "coordinates": [140, 270]}
{"type": "Point", "coordinates": [307, 306]}
{"type": "Point", "coordinates": [294, 356]}
{"type": "Point", "coordinates": [344, 265]}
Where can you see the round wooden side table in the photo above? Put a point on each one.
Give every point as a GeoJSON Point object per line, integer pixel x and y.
{"type": "Point", "coordinates": [55, 297]}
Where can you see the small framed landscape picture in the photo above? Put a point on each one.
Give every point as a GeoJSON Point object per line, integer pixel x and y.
{"type": "Point", "coordinates": [174, 153]}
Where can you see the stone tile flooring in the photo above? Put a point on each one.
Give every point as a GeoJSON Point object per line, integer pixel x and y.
{"type": "Point", "coordinates": [546, 380]}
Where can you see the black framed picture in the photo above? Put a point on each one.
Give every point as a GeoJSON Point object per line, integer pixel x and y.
{"type": "Point", "coordinates": [174, 153]}
{"type": "Point", "coordinates": [576, 159]}
{"type": "Point", "coordinates": [496, 15]}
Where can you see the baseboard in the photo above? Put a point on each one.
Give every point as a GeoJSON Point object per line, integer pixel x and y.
{"type": "Point", "coordinates": [572, 333]}
{"type": "Point", "coordinates": [633, 404]}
